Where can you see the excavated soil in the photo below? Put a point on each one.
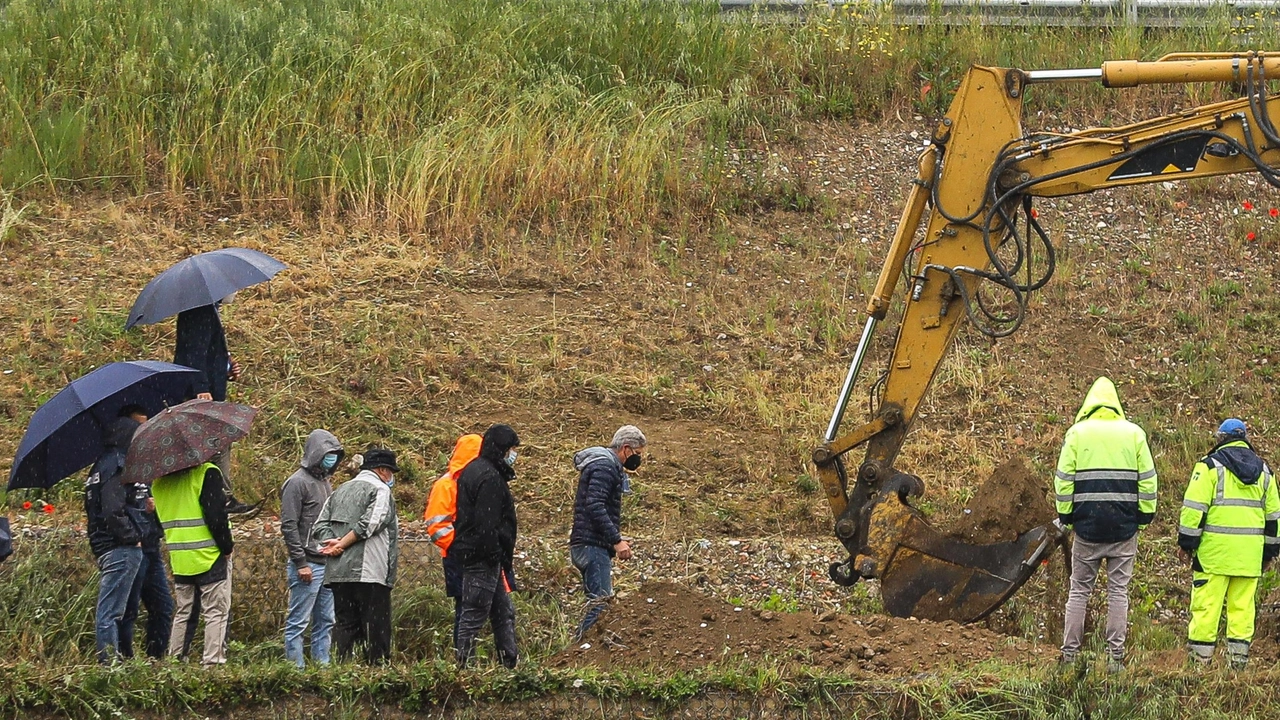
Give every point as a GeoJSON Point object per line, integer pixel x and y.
{"type": "Point", "coordinates": [1012, 501]}
{"type": "Point", "coordinates": [668, 625]}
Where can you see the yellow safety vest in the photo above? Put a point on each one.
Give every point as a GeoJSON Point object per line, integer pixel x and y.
{"type": "Point", "coordinates": [192, 550]}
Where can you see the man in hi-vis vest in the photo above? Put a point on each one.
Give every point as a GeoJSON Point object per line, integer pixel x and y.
{"type": "Point", "coordinates": [192, 507]}
{"type": "Point", "coordinates": [1227, 532]}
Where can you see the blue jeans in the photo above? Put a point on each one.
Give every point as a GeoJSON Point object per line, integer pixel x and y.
{"type": "Point", "coordinates": [309, 603]}
{"type": "Point", "coordinates": [119, 569]}
{"type": "Point", "coordinates": [152, 591]}
{"type": "Point", "coordinates": [596, 566]}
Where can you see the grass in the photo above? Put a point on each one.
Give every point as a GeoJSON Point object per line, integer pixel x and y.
{"type": "Point", "coordinates": [493, 115]}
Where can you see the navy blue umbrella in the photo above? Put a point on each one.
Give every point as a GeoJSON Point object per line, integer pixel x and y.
{"type": "Point", "coordinates": [201, 280]}
{"type": "Point", "coordinates": [65, 434]}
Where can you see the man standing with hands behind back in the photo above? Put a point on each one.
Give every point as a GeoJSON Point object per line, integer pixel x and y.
{"type": "Point", "coordinates": [597, 516]}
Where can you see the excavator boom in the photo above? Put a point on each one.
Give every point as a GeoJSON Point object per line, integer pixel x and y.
{"type": "Point", "coordinates": [967, 227]}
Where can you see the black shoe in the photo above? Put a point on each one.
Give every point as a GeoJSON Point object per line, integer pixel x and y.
{"type": "Point", "coordinates": [235, 507]}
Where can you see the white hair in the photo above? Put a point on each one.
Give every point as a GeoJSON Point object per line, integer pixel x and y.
{"type": "Point", "coordinates": [628, 435]}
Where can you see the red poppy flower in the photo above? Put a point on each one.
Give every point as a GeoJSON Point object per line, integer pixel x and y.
{"type": "Point", "coordinates": [1251, 237]}
{"type": "Point", "coordinates": [48, 509]}
{"type": "Point", "coordinates": [1247, 205]}
{"type": "Point", "coordinates": [75, 319]}
{"type": "Point", "coordinates": [1034, 213]}
{"type": "Point", "coordinates": [1274, 212]}
{"type": "Point", "coordinates": [26, 505]}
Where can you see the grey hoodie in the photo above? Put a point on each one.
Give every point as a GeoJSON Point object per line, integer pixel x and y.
{"type": "Point", "coordinates": [302, 496]}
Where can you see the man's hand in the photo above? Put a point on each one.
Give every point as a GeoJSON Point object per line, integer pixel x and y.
{"type": "Point", "coordinates": [623, 550]}
{"type": "Point", "coordinates": [151, 505]}
{"type": "Point", "coordinates": [204, 396]}
{"type": "Point", "coordinates": [1185, 556]}
{"type": "Point", "coordinates": [304, 574]}
{"type": "Point", "coordinates": [233, 373]}
{"type": "Point", "coordinates": [331, 548]}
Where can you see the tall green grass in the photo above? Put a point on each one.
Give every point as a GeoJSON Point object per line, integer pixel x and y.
{"type": "Point", "coordinates": [440, 114]}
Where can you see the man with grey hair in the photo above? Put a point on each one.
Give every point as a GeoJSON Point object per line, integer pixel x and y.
{"type": "Point", "coordinates": [597, 515]}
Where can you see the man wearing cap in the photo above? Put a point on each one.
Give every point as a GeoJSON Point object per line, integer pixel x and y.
{"type": "Point", "coordinates": [357, 532]}
{"type": "Point", "coordinates": [1106, 491]}
{"type": "Point", "coordinates": [1227, 532]}
{"type": "Point", "coordinates": [596, 537]}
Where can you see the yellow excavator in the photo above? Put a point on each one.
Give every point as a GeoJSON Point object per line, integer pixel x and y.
{"type": "Point", "coordinates": [979, 255]}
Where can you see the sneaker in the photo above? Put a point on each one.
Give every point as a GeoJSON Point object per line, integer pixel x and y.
{"type": "Point", "coordinates": [236, 507]}
{"type": "Point", "coordinates": [1115, 666]}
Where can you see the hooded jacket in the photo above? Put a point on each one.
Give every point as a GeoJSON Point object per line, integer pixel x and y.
{"type": "Point", "coordinates": [1230, 512]}
{"type": "Point", "coordinates": [1106, 479]}
{"type": "Point", "coordinates": [364, 505]}
{"type": "Point", "coordinates": [485, 527]}
{"type": "Point", "coordinates": [106, 500]}
{"type": "Point", "coordinates": [201, 345]}
{"type": "Point", "coordinates": [597, 505]}
{"type": "Point", "coordinates": [442, 506]}
{"type": "Point", "coordinates": [304, 494]}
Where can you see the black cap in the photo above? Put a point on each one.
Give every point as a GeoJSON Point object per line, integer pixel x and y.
{"type": "Point", "coordinates": [380, 458]}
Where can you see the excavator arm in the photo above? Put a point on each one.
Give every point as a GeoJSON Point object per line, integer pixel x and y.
{"type": "Point", "coordinates": [967, 233]}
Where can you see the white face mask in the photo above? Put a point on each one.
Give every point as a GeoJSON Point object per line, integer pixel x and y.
{"type": "Point", "coordinates": [511, 458]}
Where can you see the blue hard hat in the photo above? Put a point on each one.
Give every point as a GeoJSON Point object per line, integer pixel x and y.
{"type": "Point", "coordinates": [1232, 426]}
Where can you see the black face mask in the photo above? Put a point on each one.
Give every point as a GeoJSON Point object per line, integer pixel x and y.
{"type": "Point", "coordinates": [633, 462]}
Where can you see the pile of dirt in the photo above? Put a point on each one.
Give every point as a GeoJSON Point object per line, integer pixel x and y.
{"type": "Point", "coordinates": [668, 625]}
{"type": "Point", "coordinates": [1012, 501]}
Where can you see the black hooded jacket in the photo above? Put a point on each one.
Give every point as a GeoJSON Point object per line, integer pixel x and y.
{"type": "Point", "coordinates": [485, 527]}
{"type": "Point", "coordinates": [202, 345]}
{"type": "Point", "coordinates": [106, 500]}
{"type": "Point", "coordinates": [1241, 460]}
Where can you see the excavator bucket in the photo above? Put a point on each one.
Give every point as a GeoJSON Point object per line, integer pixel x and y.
{"type": "Point", "coordinates": [927, 575]}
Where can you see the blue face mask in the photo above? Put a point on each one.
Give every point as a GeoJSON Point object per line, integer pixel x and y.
{"type": "Point", "coordinates": [392, 481]}
{"type": "Point", "coordinates": [329, 461]}
{"type": "Point", "coordinates": [511, 458]}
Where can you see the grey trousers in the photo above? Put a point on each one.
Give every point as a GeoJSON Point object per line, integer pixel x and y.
{"type": "Point", "coordinates": [215, 607]}
{"type": "Point", "coordinates": [1086, 558]}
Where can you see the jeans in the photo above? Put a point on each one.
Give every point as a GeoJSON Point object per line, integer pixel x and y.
{"type": "Point", "coordinates": [596, 567]}
{"type": "Point", "coordinates": [1086, 558]}
{"type": "Point", "coordinates": [362, 616]}
{"type": "Point", "coordinates": [485, 597]}
{"type": "Point", "coordinates": [309, 603]}
{"type": "Point", "coordinates": [119, 569]}
{"type": "Point", "coordinates": [151, 590]}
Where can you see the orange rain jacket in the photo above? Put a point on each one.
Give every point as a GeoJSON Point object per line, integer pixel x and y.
{"type": "Point", "coordinates": [442, 506]}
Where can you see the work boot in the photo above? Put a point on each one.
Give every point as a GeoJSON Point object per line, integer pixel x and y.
{"type": "Point", "coordinates": [236, 507]}
{"type": "Point", "coordinates": [1199, 654]}
{"type": "Point", "coordinates": [1115, 665]}
{"type": "Point", "coordinates": [1237, 654]}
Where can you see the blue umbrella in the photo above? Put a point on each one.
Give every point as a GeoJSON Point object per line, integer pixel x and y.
{"type": "Point", "coordinates": [201, 280]}
{"type": "Point", "coordinates": [65, 434]}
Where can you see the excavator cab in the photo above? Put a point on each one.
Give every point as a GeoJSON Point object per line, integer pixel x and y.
{"type": "Point", "coordinates": [968, 229]}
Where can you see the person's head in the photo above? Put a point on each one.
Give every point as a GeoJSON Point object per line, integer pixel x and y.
{"type": "Point", "coordinates": [135, 412]}
{"type": "Point", "coordinates": [629, 444]}
{"type": "Point", "coordinates": [1230, 430]}
{"type": "Point", "coordinates": [499, 444]}
{"type": "Point", "coordinates": [381, 462]}
{"type": "Point", "coordinates": [119, 434]}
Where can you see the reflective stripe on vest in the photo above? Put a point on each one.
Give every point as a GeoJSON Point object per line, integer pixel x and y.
{"type": "Point", "coordinates": [192, 550]}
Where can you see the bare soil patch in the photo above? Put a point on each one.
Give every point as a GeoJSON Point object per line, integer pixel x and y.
{"type": "Point", "coordinates": [1012, 501]}
{"type": "Point", "coordinates": [668, 625]}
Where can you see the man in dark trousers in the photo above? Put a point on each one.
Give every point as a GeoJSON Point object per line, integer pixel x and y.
{"type": "Point", "coordinates": [201, 344]}
{"type": "Point", "coordinates": [116, 542]}
{"type": "Point", "coordinates": [597, 516]}
{"type": "Point", "coordinates": [151, 589]}
{"type": "Point", "coordinates": [484, 544]}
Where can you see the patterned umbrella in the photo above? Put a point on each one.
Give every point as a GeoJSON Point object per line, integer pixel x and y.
{"type": "Point", "coordinates": [183, 437]}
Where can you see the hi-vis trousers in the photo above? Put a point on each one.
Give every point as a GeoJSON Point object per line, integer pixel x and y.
{"type": "Point", "coordinates": [1208, 592]}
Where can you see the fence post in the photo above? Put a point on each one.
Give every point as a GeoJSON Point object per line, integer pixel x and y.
{"type": "Point", "coordinates": [1130, 12]}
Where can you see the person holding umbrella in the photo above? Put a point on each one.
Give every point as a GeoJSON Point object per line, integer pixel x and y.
{"type": "Point", "coordinates": [152, 589]}
{"type": "Point", "coordinates": [191, 505]}
{"type": "Point", "coordinates": [195, 290]}
{"type": "Point", "coordinates": [116, 542]}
